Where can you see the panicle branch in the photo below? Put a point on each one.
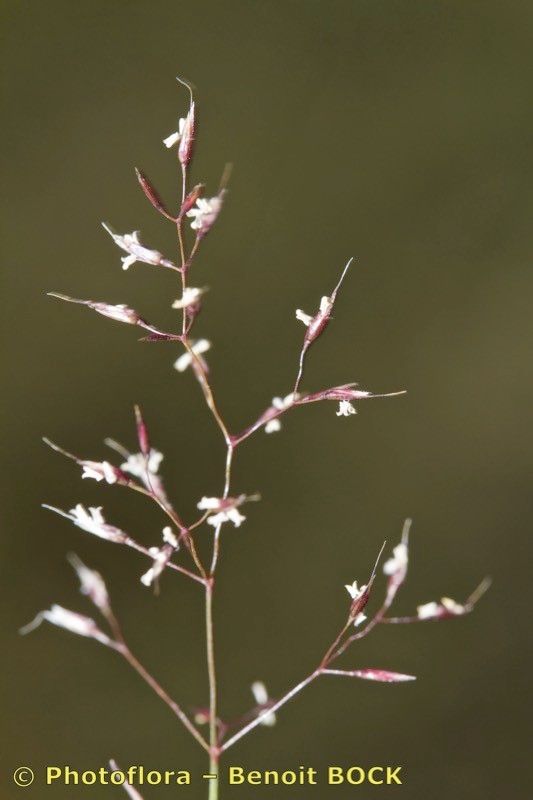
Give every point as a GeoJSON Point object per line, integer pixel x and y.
{"type": "Point", "coordinates": [130, 790]}
{"type": "Point", "coordinates": [120, 313]}
{"type": "Point", "coordinates": [92, 585]}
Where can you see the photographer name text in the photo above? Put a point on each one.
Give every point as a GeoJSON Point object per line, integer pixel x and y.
{"type": "Point", "coordinates": [334, 775]}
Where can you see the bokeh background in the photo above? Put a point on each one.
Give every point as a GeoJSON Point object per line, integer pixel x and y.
{"type": "Point", "coordinates": [398, 132]}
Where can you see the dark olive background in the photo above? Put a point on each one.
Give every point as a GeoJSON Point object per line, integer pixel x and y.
{"type": "Point", "coordinates": [398, 132]}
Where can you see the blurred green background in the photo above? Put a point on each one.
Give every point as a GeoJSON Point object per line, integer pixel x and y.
{"type": "Point", "coordinates": [397, 132]}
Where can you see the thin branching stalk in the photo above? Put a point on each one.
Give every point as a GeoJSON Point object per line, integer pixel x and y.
{"type": "Point", "coordinates": [140, 473]}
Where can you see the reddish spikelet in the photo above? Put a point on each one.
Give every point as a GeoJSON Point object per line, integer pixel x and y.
{"type": "Point", "coordinates": [191, 199]}
{"type": "Point", "coordinates": [186, 145]}
{"type": "Point", "coordinates": [142, 433]}
{"type": "Point", "coordinates": [152, 195]}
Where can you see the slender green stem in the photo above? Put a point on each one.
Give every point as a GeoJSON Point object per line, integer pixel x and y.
{"type": "Point", "coordinates": [213, 731]}
{"type": "Point", "coordinates": [209, 581]}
